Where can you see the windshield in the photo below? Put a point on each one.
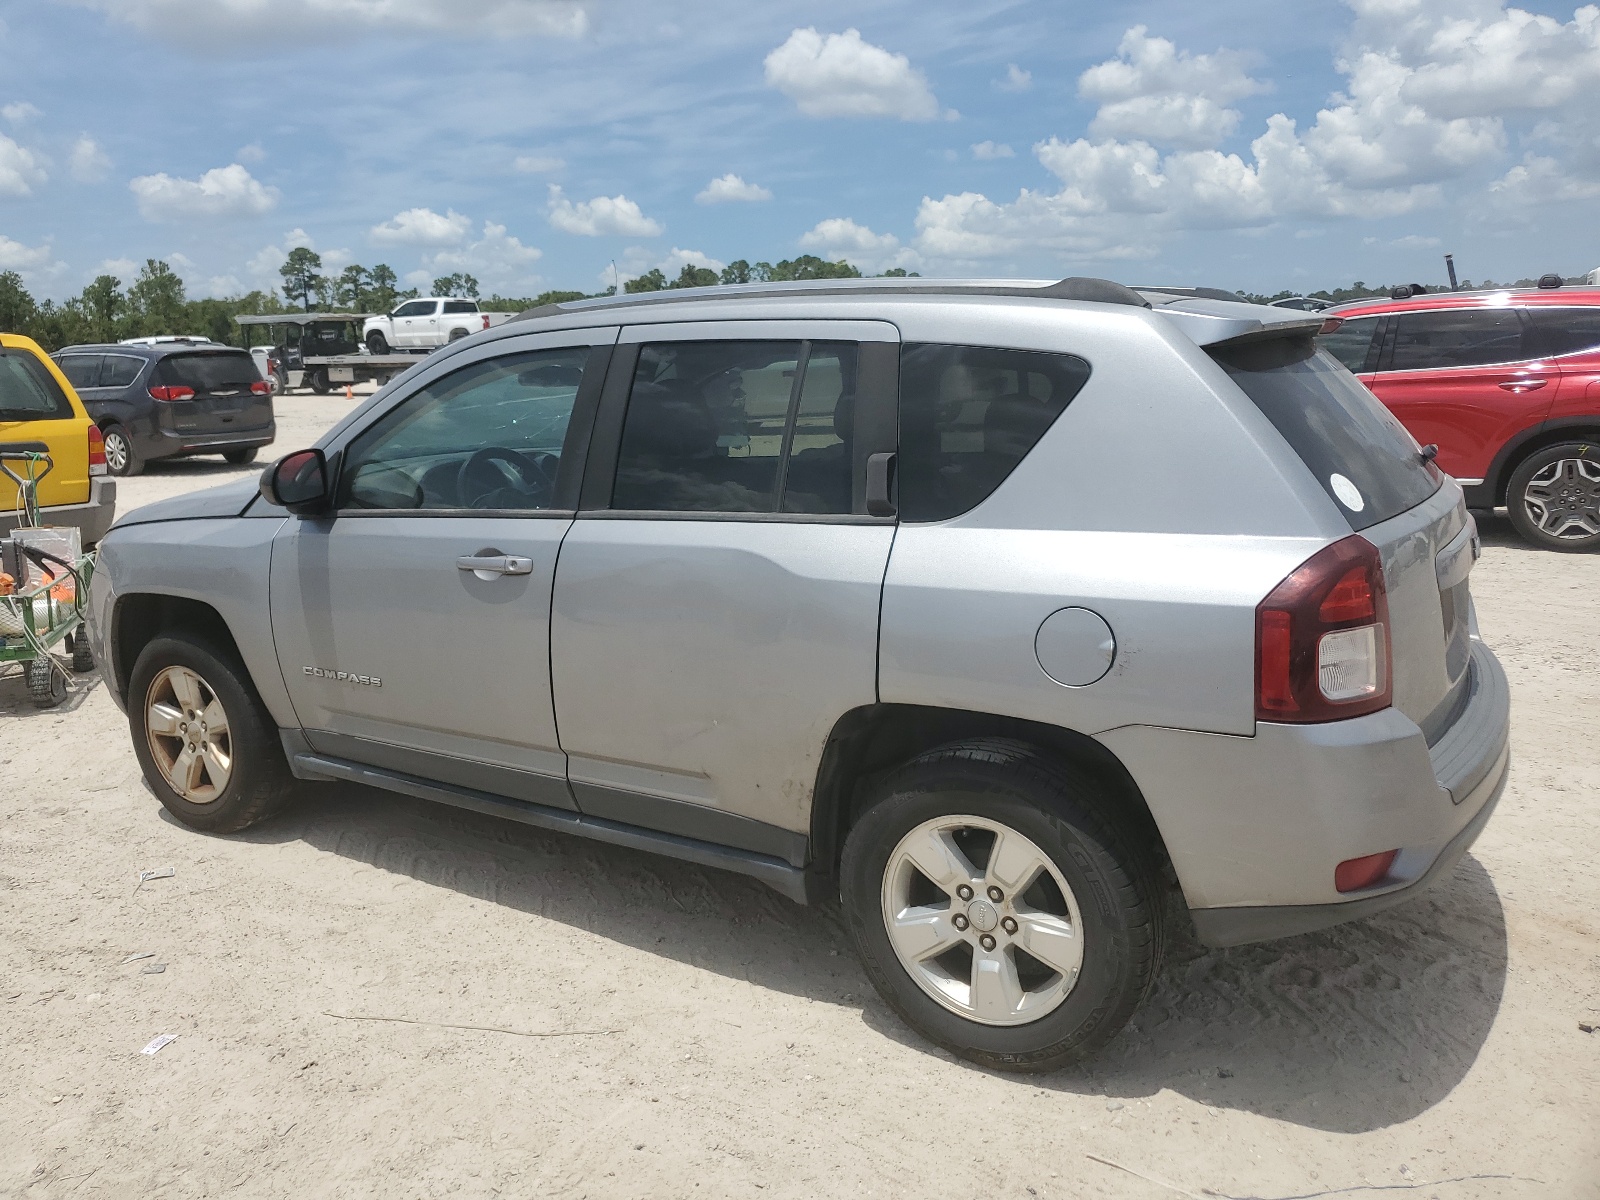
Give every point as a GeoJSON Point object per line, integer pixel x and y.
{"type": "Point", "coordinates": [210, 372]}
{"type": "Point", "coordinates": [28, 392]}
{"type": "Point", "coordinates": [1358, 450]}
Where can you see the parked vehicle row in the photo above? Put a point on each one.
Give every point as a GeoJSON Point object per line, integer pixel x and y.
{"type": "Point", "coordinates": [1005, 616]}
{"type": "Point", "coordinates": [1506, 384]}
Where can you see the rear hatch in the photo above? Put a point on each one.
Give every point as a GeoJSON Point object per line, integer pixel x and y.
{"type": "Point", "coordinates": [1377, 477]}
{"type": "Point", "coordinates": [221, 402]}
{"type": "Point", "coordinates": [37, 416]}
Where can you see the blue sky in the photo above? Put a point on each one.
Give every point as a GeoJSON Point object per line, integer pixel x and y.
{"type": "Point", "coordinates": [1240, 143]}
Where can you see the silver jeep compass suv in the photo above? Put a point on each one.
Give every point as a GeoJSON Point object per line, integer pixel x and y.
{"type": "Point", "coordinates": [1002, 613]}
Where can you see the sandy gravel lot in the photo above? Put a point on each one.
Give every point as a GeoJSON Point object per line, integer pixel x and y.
{"type": "Point", "coordinates": [566, 1019]}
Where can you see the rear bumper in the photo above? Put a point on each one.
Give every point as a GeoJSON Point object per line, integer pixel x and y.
{"type": "Point", "coordinates": [1255, 826]}
{"type": "Point", "coordinates": [91, 519]}
{"type": "Point", "coordinates": [167, 443]}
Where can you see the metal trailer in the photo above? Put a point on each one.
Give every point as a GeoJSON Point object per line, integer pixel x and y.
{"type": "Point", "coordinates": [320, 351]}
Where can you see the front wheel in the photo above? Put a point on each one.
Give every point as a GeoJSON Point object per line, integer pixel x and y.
{"type": "Point", "coordinates": [377, 343]}
{"type": "Point", "coordinates": [1553, 497]}
{"type": "Point", "coordinates": [999, 909]}
{"type": "Point", "coordinates": [204, 740]}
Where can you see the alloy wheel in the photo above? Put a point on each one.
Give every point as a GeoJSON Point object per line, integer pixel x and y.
{"type": "Point", "coordinates": [982, 920]}
{"type": "Point", "coordinates": [117, 452]}
{"type": "Point", "coordinates": [1563, 499]}
{"type": "Point", "coordinates": [187, 728]}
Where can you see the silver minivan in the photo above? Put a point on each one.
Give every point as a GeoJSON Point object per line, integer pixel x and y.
{"type": "Point", "coordinates": [1019, 619]}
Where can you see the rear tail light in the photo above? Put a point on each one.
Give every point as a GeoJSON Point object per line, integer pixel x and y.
{"type": "Point", "coordinates": [1331, 324]}
{"type": "Point", "coordinates": [1356, 873]}
{"type": "Point", "coordinates": [165, 392]}
{"type": "Point", "coordinates": [486, 320]}
{"type": "Point", "coordinates": [97, 451]}
{"type": "Point", "coordinates": [1322, 638]}
{"type": "Point", "coordinates": [261, 387]}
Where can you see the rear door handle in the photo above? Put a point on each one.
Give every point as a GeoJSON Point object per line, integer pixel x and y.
{"type": "Point", "coordinates": [485, 565]}
{"type": "Point", "coordinates": [1523, 385]}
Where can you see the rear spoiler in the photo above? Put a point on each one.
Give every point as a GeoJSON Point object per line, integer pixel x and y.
{"type": "Point", "coordinates": [1208, 322]}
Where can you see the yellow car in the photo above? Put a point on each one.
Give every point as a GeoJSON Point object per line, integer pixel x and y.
{"type": "Point", "coordinates": [41, 414]}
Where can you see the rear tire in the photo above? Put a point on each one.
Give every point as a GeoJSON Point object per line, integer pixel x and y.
{"type": "Point", "coordinates": [1104, 930]}
{"type": "Point", "coordinates": [377, 343]}
{"type": "Point", "coordinates": [240, 458]}
{"type": "Point", "coordinates": [1553, 497]}
{"type": "Point", "coordinates": [199, 726]}
{"type": "Point", "coordinates": [457, 334]}
{"type": "Point", "coordinates": [121, 458]}
{"type": "Point", "coordinates": [47, 686]}
{"type": "Point", "coordinates": [317, 381]}
{"type": "Point", "coordinates": [82, 656]}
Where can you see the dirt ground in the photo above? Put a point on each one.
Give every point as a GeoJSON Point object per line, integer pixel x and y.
{"type": "Point", "coordinates": [377, 997]}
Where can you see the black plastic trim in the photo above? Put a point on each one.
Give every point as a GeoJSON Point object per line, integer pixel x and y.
{"type": "Point", "coordinates": [780, 876]}
{"type": "Point", "coordinates": [1219, 927]}
{"type": "Point", "coordinates": [527, 786]}
{"type": "Point", "coordinates": [697, 821]}
{"type": "Point", "coordinates": [770, 518]}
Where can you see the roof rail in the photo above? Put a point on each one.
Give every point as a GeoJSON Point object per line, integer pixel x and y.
{"type": "Point", "coordinates": [1077, 287]}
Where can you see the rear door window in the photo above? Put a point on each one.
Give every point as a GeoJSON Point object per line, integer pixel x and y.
{"type": "Point", "coordinates": [1358, 450]}
{"type": "Point", "coordinates": [1352, 343]}
{"type": "Point", "coordinates": [968, 416]}
{"type": "Point", "coordinates": [209, 372]}
{"type": "Point", "coordinates": [1463, 337]}
{"type": "Point", "coordinates": [1557, 331]}
{"type": "Point", "coordinates": [459, 306]}
{"type": "Point", "coordinates": [82, 370]}
{"type": "Point", "coordinates": [120, 370]}
{"type": "Point", "coordinates": [28, 392]}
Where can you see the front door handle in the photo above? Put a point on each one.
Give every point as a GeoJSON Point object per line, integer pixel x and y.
{"type": "Point", "coordinates": [486, 566]}
{"type": "Point", "coordinates": [1523, 385]}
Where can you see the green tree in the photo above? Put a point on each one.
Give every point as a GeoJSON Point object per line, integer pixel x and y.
{"type": "Point", "coordinates": [300, 278]}
{"type": "Point", "coordinates": [900, 273]}
{"type": "Point", "coordinates": [156, 299]}
{"type": "Point", "coordinates": [102, 304]}
{"type": "Point", "coordinates": [651, 281]}
{"type": "Point", "coordinates": [809, 266]}
{"type": "Point", "coordinates": [382, 280]}
{"type": "Point", "coordinates": [352, 288]}
{"type": "Point", "coordinates": [17, 306]}
{"type": "Point", "coordinates": [738, 271]}
{"type": "Point", "coordinates": [456, 284]}
{"type": "Point", "coordinates": [692, 277]}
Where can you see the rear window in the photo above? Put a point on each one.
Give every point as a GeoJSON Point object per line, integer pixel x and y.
{"type": "Point", "coordinates": [1351, 342]}
{"type": "Point", "coordinates": [28, 392]}
{"type": "Point", "coordinates": [1554, 331]}
{"type": "Point", "coordinates": [1360, 453]}
{"type": "Point", "coordinates": [209, 372]}
{"type": "Point", "coordinates": [460, 306]}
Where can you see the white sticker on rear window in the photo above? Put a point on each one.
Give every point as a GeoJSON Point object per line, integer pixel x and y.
{"type": "Point", "coordinates": [1349, 495]}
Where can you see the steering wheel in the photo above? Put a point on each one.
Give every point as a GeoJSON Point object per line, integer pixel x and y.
{"type": "Point", "coordinates": [495, 475]}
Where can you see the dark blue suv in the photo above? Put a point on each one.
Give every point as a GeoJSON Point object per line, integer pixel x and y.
{"type": "Point", "coordinates": [167, 398]}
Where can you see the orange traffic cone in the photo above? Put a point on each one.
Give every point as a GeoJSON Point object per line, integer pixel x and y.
{"type": "Point", "coordinates": [349, 392]}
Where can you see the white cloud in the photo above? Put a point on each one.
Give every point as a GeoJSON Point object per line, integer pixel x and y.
{"type": "Point", "coordinates": [1414, 241]}
{"type": "Point", "coordinates": [20, 113]}
{"type": "Point", "coordinates": [841, 75]}
{"type": "Point", "coordinates": [840, 237]}
{"type": "Point", "coordinates": [500, 262]}
{"type": "Point", "coordinates": [20, 169]}
{"type": "Point", "coordinates": [1154, 92]}
{"type": "Point", "coordinates": [731, 188]}
{"type": "Point", "coordinates": [537, 164]}
{"type": "Point", "coordinates": [1539, 180]}
{"type": "Point", "coordinates": [678, 259]}
{"type": "Point", "coordinates": [1016, 79]}
{"type": "Point", "coordinates": [253, 153]}
{"type": "Point", "coordinates": [229, 191]}
{"type": "Point", "coordinates": [233, 23]}
{"type": "Point", "coordinates": [123, 268]}
{"type": "Point", "coordinates": [88, 163]}
{"type": "Point", "coordinates": [601, 216]}
{"type": "Point", "coordinates": [986, 151]}
{"type": "Point", "coordinates": [14, 256]}
{"type": "Point", "coordinates": [422, 227]}
{"type": "Point", "coordinates": [262, 269]}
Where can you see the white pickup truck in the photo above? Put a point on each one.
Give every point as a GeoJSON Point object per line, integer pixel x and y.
{"type": "Point", "coordinates": [426, 324]}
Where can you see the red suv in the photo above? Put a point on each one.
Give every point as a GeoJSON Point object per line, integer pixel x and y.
{"type": "Point", "coordinates": [1506, 384]}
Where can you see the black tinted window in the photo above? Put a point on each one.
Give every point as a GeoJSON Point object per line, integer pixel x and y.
{"type": "Point", "coordinates": [1468, 337]}
{"type": "Point", "coordinates": [706, 427]}
{"type": "Point", "coordinates": [1562, 330]}
{"type": "Point", "coordinates": [81, 370]}
{"type": "Point", "coordinates": [120, 370]}
{"type": "Point", "coordinates": [1360, 453]}
{"type": "Point", "coordinates": [415, 308]}
{"type": "Point", "coordinates": [460, 306]}
{"type": "Point", "coordinates": [1351, 342]}
{"type": "Point", "coordinates": [488, 436]}
{"type": "Point", "coordinates": [968, 415]}
{"type": "Point", "coordinates": [209, 372]}
{"type": "Point", "coordinates": [28, 392]}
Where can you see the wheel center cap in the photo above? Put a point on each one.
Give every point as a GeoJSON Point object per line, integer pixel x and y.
{"type": "Point", "coordinates": [983, 916]}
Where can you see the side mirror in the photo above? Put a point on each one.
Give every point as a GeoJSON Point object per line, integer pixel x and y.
{"type": "Point", "coordinates": [298, 482]}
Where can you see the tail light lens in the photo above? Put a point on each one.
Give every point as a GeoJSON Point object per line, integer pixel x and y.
{"type": "Point", "coordinates": [1353, 874]}
{"type": "Point", "coordinates": [165, 392]}
{"type": "Point", "coordinates": [97, 451]}
{"type": "Point", "coordinates": [486, 320]}
{"type": "Point", "coordinates": [261, 387]}
{"type": "Point", "coordinates": [1322, 638]}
